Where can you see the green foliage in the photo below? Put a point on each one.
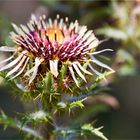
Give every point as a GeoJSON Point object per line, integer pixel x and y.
{"type": "Point", "coordinates": [48, 82]}
{"type": "Point", "coordinates": [111, 32]}
{"type": "Point", "coordinates": [69, 106]}
{"type": "Point", "coordinates": [83, 130]}
{"type": "Point", "coordinates": [10, 122]}
{"type": "Point", "coordinates": [53, 104]}
{"type": "Point", "coordinates": [88, 128]}
{"type": "Point", "coordinates": [125, 31]}
{"type": "Point", "coordinates": [53, 98]}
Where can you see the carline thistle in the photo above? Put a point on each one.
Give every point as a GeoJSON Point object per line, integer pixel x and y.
{"type": "Point", "coordinates": [52, 43]}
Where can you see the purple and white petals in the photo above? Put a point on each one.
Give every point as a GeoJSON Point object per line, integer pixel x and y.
{"type": "Point", "coordinates": [51, 42]}
{"type": "Point", "coordinates": [8, 59]}
{"type": "Point", "coordinates": [98, 52]}
{"type": "Point", "coordinates": [54, 67]}
{"type": "Point", "coordinates": [25, 29]}
{"type": "Point", "coordinates": [83, 69]}
{"type": "Point", "coordinates": [15, 69]}
{"type": "Point", "coordinates": [22, 69]}
{"type": "Point", "coordinates": [35, 69]}
{"type": "Point", "coordinates": [14, 65]}
{"type": "Point", "coordinates": [92, 43]}
{"type": "Point", "coordinates": [94, 60]}
{"type": "Point", "coordinates": [73, 75]}
{"type": "Point", "coordinates": [81, 32]}
{"type": "Point", "coordinates": [11, 64]}
{"type": "Point", "coordinates": [8, 49]}
{"type": "Point", "coordinates": [78, 71]}
{"type": "Point", "coordinates": [96, 72]}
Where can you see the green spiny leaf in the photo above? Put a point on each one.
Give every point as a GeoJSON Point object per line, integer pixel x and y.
{"type": "Point", "coordinates": [63, 71]}
{"type": "Point", "coordinates": [11, 122]}
{"type": "Point", "coordinates": [88, 128]}
{"type": "Point", "coordinates": [48, 82]}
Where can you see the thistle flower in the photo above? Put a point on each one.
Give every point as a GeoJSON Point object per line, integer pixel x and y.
{"type": "Point", "coordinates": [51, 44]}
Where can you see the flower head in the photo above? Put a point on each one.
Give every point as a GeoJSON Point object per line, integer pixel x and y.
{"type": "Point", "coordinates": [50, 44]}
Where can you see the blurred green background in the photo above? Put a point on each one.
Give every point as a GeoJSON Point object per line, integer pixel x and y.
{"type": "Point", "coordinates": [116, 21]}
